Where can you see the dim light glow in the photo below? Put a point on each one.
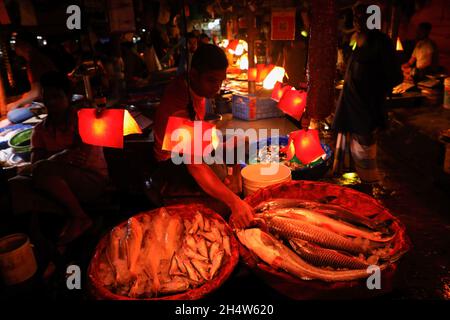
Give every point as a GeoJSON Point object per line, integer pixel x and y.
{"type": "Point", "coordinates": [349, 178]}
{"type": "Point", "coordinates": [239, 50]}
{"type": "Point", "coordinates": [399, 46]}
{"type": "Point", "coordinates": [224, 43]}
{"type": "Point", "coordinates": [252, 74]}
{"type": "Point", "coordinates": [353, 43]}
{"type": "Point", "coordinates": [243, 62]}
{"type": "Point", "coordinates": [304, 33]}
{"type": "Point", "coordinates": [130, 125]}
{"type": "Point", "coordinates": [262, 71]}
{"type": "Point", "coordinates": [274, 76]}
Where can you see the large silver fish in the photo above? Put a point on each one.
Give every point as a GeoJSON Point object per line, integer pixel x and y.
{"type": "Point", "coordinates": [324, 221]}
{"type": "Point", "coordinates": [322, 257]}
{"type": "Point", "coordinates": [133, 243]}
{"type": "Point", "coordinates": [330, 210]}
{"type": "Point", "coordinates": [295, 229]}
{"type": "Point", "coordinates": [277, 255]}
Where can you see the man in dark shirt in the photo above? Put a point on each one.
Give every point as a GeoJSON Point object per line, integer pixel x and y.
{"type": "Point", "coordinates": [209, 65]}
{"type": "Point", "coordinates": [371, 74]}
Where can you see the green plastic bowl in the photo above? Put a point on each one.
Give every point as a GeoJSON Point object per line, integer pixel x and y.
{"type": "Point", "coordinates": [21, 141]}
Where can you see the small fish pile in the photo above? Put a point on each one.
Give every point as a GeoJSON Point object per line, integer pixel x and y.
{"type": "Point", "coordinates": [163, 254]}
{"type": "Point", "coordinates": [311, 240]}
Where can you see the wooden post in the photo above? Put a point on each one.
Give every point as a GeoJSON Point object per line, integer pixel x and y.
{"type": "Point", "coordinates": [3, 110]}
{"type": "Point", "coordinates": [322, 56]}
{"type": "Point", "coordinates": [251, 47]}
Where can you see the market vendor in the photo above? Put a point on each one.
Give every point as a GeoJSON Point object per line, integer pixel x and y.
{"type": "Point", "coordinates": [37, 65]}
{"type": "Point", "coordinates": [208, 70]}
{"type": "Point", "coordinates": [371, 74]}
{"type": "Point", "coordinates": [63, 169]}
{"type": "Point", "coordinates": [424, 58]}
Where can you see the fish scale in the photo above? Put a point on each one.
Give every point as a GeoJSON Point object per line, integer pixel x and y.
{"type": "Point", "coordinates": [325, 257]}
{"type": "Point", "coordinates": [295, 229]}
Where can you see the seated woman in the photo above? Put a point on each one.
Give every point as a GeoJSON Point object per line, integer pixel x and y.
{"type": "Point", "coordinates": [63, 168]}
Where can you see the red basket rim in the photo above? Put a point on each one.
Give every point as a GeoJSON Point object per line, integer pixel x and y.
{"type": "Point", "coordinates": [99, 291]}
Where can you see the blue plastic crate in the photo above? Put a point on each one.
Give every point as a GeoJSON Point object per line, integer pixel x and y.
{"type": "Point", "coordinates": [254, 107]}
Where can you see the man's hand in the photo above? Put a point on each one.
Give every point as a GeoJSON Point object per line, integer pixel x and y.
{"type": "Point", "coordinates": [241, 214]}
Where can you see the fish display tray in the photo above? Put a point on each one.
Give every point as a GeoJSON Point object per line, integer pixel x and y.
{"type": "Point", "coordinates": [100, 292]}
{"type": "Point", "coordinates": [356, 202]}
{"type": "Point", "coordinates": [254, 107]}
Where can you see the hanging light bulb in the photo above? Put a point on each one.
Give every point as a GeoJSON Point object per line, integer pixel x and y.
{"type": "Point", "coordinates": [274, 76]}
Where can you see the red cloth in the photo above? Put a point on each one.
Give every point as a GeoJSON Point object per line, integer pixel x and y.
{"type": "Point", "coordinates": [174, 103]}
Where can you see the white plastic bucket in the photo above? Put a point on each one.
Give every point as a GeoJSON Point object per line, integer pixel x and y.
{"type": "Point", "coordinates": [260, 175]}
{"type": "Point", "coordinates": [17, 261]}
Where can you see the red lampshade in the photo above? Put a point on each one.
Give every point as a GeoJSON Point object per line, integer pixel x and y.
{"type": "Point", "coordinates": [189, 137]}
{"type": "Point", "coordinates": [279, 90]}
{"type": "Point", "coordinates": [305, 144]}
{"type": "Point", "coordinates": [106, 129]}
{"type": "Point", "coordinates": [252, 74]}
{"type": "Point", "coordinates": [293, 103]}
{"type": "Point", "coordinates": [262, 71]}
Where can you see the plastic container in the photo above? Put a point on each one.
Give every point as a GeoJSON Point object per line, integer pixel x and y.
{"type": "Point", "coordinates": [254, 107]}
{"type": "Point", "coordinates": [17, 261]}
{"type": "Point", "coordinates": [260, 175]}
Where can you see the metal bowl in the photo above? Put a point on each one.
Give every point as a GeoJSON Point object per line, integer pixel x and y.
{"type": "Point", "coordinates": [21, 143]}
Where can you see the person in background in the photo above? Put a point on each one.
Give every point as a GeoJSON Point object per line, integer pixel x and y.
{"type": "Point", "coordinates": [134, 65]}
{"type": "Point", "coordinates": [424, 59]}
{"type": "Point", "coordinates": [209, 66]}
{"type": "Point", "coordinates": [37, 64]}
{"type": "Point", "coordinates": [63, 168]}
{"type": "Point", "coordinates": [185, 59]}
{"type": "Point", "coordinates": [370, 76]}
{"type": "Point", "coordinates": [204, 39]}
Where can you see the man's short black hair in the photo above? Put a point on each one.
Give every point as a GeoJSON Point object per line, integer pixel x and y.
{"type": "Point", "coordinates": [209, 57]}
{"type": "Point", "coordinates": [58, 80]}
{"type": "Point", "coordinates": [203, 36]}
{"type": "Point", "coordinates": [425, 26]}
